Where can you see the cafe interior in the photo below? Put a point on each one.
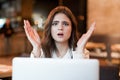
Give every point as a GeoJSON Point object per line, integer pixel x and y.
{"type": "Point", "coordinates": [104, 44]}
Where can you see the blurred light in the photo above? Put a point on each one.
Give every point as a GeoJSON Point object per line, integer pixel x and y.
{"type": "Point", "coordinates": [38, 20]}
{"type": "Point", "coordinates": [2, 22]}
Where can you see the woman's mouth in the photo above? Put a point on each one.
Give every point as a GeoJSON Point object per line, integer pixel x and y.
{"type": "Point", "coordinates": [60, 34]}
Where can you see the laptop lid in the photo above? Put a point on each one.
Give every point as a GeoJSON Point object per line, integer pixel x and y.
{"type": "Point", "coordinates": [55, 69]}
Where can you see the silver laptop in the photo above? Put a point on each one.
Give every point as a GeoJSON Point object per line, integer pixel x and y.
{"type": "Point", "coordinates": [55, 69]}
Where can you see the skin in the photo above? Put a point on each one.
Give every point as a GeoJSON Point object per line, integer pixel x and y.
{"type": "Point", "coordinates": [60, 31]}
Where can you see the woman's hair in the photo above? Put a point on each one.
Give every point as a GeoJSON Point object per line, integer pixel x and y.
{"type": "Point", "coordinates": [48, 44]}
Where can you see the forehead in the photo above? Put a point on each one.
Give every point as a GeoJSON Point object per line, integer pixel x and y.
{"type": "Point", "coordinates": [61, 17]}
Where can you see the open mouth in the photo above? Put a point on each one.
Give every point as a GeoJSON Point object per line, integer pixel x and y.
{"type": "Point", "coordinates": [60, 34]}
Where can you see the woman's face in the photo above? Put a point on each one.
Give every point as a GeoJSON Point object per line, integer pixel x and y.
{"type": "Point", "coordinates": [61, 28]}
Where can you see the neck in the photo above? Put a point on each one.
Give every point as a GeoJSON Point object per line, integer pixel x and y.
{"type": "Point", "coordinates": [62, 49]}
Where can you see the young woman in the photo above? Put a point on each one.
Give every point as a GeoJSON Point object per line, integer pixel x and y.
{"type": "Point", "coordinates": [60, 36]}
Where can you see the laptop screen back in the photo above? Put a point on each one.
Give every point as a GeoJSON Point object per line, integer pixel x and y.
{"type": "Point", "coordinates": [55, 69]}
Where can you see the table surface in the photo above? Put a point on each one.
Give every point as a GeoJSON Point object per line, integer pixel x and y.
{"type": "Point", "coordinates": [5, 71]}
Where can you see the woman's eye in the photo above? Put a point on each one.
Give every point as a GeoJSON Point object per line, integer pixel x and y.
{"type": "Point", "coordinates": [54, 24]}
{"type": "Point", "coordinates": [65, 23]}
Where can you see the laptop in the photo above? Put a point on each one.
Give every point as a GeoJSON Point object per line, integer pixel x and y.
{"type": "Point", "coordinates": [54, 69]}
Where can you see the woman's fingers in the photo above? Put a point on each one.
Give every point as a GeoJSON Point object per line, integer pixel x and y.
{"type": "Point", "coordinates": [25, 27]}
{"type": "Point", "coordinates": [28, 30]}
{"type": "Point", "coordinates": [31, 33]}
{"type": "Point", "coordinates": [37, 36]}
{"type": "Point", "coordinates": [27, 22]}
{"type": "Point", "coordinates": [84, 38]}
{"type": "Point", "coordinates": [90, 31]}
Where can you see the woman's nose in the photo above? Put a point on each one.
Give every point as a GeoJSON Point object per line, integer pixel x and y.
{"type": "Point", "coordinates": [60, 27]}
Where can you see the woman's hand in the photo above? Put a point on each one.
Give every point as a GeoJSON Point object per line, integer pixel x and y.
{"type": "Point", "coordinates": [84, 38]}
{"type": "Point", "coordinates": [32, 36]}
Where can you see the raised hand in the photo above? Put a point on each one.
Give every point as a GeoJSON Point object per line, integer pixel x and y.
{"type": "Point", "coordinates": [84, 38]}
{"type": "Point", "coordinates": [33, 37]}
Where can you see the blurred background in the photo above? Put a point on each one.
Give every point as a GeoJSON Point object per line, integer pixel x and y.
{"type": "Point", "coordinates": [103, 45]}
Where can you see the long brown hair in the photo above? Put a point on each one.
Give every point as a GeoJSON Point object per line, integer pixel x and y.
{"type": "Point", "coordinates": [48, 44]}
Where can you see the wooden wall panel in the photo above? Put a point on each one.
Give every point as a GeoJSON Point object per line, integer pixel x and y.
{"type": "Point", "coordinates": [106, 13]}
{"type": "Point", "coordinates": [27, 8]}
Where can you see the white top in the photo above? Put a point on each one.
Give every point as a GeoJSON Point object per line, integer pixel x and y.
{"type": "Point", "coordinates": [70, 54]}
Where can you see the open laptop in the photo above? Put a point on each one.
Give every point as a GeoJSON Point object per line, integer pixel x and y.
{"type": "Point", "coordinates": [55, 69]}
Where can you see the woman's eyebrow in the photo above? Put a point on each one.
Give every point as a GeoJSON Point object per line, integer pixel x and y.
{"type": "Point", "coordinates": [55, 21]}
{"type": "Point", "coordinates": [65, 21]}
{"type": "Point", "coordinates": [62, 21]}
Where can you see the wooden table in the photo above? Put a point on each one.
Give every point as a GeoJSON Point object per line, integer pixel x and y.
{"type": "Point", "coordinates": [5, 72]}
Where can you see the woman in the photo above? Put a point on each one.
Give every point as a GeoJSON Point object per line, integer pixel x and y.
{"type": "Point", "coordinates": [60, 36]}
